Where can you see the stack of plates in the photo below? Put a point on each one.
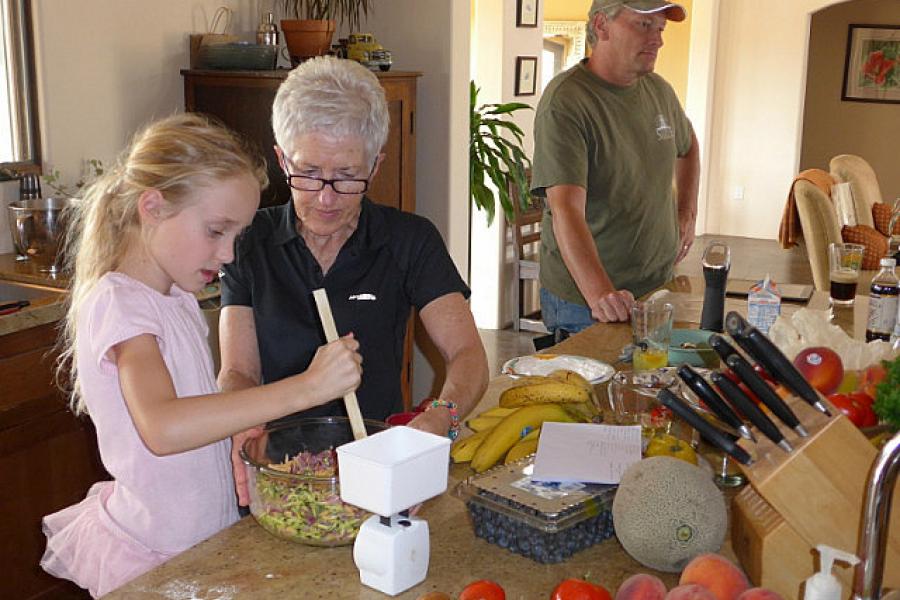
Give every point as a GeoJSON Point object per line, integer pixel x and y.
{"type": "Point", "coordinates": [242, 56]}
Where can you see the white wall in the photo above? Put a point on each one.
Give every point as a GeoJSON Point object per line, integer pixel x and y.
{"type": "Point", "coordinates": [496, 43]}
{"type": "Point", "coordinates": [756, 111]}
{"type": "Point", "coordinates": [433, 37]}
{"type": "Point", "coordinates": [105, 67]}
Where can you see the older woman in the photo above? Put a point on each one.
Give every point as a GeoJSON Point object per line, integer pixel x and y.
{"type": "Point", "coordinates": [376, 263]}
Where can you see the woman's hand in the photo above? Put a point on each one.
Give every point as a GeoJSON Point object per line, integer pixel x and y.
{"type": "Point", "coordinates": [237, 465]}
{"type": "Point", "coordinates": [434, 420]}
{"type": "Point", "coordinates": [335, 370]}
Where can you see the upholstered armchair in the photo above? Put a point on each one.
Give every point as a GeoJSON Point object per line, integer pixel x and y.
{"type": "Point", "coordinates": [819, 222]}
{"type": "Point", "coordinates": [863, 184]}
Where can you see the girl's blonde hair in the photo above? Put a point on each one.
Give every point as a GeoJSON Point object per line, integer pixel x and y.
{"type": "Point", "coordinates": [175, 156]}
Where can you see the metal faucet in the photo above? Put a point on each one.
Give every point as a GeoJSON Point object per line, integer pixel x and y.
{"type": "Point", "coordinates": [867, 580]}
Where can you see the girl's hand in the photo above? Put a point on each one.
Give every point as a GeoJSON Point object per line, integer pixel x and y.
{"type": "Point", "coordinates": [336, 369]}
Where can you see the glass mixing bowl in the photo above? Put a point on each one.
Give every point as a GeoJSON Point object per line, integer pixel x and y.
{"type": "Point", "coordinates": [294, 486]}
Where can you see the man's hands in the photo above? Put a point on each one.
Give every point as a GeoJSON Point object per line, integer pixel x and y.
{"type": "Point", "coordinates": [686, 223]}
{"type": "Point", "coordinates": [613, 307]}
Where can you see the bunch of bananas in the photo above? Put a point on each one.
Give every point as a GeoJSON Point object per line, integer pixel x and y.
{"type": "Point", "coordinates": [510, 431]}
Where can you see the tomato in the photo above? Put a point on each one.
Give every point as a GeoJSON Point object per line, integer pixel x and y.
{"type": "Point", "coordinates": [761, 370]}
{"type": "Point", "coordinates": [863, 403]}
{"type": "Point", "coordinates": [579, 589]}
{"type": "Point", "coordinates": [483, 589]}
{"type": "Point", "coordinates": [844, 404]}
{"type": "Point", "coordinates": [660, 416]}
{"type": "Point", "coordinates": [743, 387]}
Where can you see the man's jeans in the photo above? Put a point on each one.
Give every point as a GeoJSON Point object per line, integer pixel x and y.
{"type": "Point", "coordinates": [561, 314]}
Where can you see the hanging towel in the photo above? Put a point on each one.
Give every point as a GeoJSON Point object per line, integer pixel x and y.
{"type": "Point", "coordinates": [789, 231]}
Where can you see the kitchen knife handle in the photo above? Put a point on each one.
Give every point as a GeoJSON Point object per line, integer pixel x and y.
{"type": "Point", "coordinates": [747, 407]}
{"type": "Point", "coordinates": [762, 390]}
{"type": "Point", "coordinates": [709, 396]}
{"type": "Point", "coordinates": [773, 360]}
{"type": "Point", "coordinates": [712, 433]}
{"type": "Point", "coordinates": [721, 346]}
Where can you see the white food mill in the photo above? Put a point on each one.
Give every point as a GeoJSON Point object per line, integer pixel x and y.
{"type": "Point", "coordinates": [387, 474]}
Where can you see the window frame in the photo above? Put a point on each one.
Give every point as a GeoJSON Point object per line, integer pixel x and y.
{"type": "Point", "coordinates": [20, 43]}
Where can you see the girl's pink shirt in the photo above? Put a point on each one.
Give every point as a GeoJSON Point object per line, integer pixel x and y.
{"type": "Point", "coordinates": [167, 503]}
{"type": "Point", "coordinates": [155, 506]}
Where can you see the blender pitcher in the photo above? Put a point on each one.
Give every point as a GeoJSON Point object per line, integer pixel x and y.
{"type": "Point", "coordinates": [716, 263]}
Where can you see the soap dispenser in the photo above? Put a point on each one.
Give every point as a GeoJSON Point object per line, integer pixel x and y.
{"type": "Point", "coordinates": [823, 585]}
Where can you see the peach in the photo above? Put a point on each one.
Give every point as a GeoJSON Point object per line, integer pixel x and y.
{"type": "Point", "coordinates": [716, 573]}
{"type": "Point", "coordinates": [759, 593]}
{"type": "Point", "coordinates": [642, 587]}
{"type": "Point", "coordinates": [690, 591]}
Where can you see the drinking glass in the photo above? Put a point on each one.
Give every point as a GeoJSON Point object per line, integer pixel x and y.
{"type": "Point", "coordinates": [651, 331]}
{"type": "Point", "coordinates": [632, 400]}
{"type": "Point", "coordinates": [844, 262]}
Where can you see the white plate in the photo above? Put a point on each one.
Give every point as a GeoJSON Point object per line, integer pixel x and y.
{"type": "Point", "coordinates": [544, 364]}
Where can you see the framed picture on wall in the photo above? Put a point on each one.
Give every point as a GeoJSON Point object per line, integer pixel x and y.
{"type": "Point", "coordinates": [526, 75]}
{"type": "Point", "coordinates": [872, 66]}
{"type": "Point", "coordinates": [526, 13]}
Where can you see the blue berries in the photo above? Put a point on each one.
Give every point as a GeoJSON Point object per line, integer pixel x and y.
{"type": "Point", "coordinates": [520, 537]}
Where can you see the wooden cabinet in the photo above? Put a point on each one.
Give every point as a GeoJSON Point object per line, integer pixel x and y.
{"type": "Point", "coordinates": [243, 101]}
{"type": "Point", "coordinates": [48, 459]}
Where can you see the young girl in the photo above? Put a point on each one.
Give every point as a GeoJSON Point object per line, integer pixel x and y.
{"type": "Point", "coordinates": [152, 231]}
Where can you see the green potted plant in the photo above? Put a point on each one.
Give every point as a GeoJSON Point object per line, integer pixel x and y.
{"type": "Point", "coordinates": [495, 156]}
{"type": "Point", "coordinates": [309, 24]}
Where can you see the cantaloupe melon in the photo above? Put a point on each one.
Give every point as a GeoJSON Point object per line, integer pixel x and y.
{"type": "Point", "coordinates": [667, 511]}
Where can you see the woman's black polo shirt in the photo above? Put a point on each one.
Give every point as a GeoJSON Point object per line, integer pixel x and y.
{"type": "Point", "coordinates": [392, 262]}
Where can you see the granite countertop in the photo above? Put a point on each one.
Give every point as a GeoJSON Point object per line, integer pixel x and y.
{"type": "Point", "coordinates": [46, 309]}
{"type": "Point", "coordinates": [245, 561]}
{"type": "Point", "coordinates": [51, 308]}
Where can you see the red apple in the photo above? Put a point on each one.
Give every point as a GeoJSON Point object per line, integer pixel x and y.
{"type": "Point", "coordinates": [822, 368]}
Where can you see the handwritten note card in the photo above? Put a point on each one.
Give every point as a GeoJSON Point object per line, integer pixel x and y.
{"type": "Point", "coordinates": [586, 452]}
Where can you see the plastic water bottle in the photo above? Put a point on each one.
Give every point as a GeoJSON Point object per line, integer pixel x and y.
{"type": "Point", "coordinates": [883, 302]}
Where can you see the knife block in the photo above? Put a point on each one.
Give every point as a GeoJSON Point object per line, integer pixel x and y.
{"type": "Point", "coordinates": [813, 495]}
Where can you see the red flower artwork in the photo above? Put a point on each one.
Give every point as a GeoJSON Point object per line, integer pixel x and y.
{"type": "Point", "coordinates": [877, 67]}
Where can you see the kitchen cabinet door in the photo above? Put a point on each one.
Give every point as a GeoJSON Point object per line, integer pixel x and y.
{"type": "Point", "coordinates": [48, 458]}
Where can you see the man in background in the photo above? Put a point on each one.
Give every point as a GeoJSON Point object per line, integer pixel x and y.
{"type": "Point", "coordinates": [610, 138]}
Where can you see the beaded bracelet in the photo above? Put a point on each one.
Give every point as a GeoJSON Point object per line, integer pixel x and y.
{"type": "Point", "coordinates": [454, 415]}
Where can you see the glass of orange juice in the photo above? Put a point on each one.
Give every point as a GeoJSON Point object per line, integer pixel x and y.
{"type": "Point", "coordinates": [651, 330]}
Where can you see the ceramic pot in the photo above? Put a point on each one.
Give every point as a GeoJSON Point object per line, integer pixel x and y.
{"type": "Point", "coordinates": [307, 38]}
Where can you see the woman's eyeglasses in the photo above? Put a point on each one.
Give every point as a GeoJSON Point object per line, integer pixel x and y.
{"type": "Point", "coordinates": [305, 183]}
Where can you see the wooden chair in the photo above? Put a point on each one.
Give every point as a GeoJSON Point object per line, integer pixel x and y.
{"type": "Point", "coordinates": [526, 228]}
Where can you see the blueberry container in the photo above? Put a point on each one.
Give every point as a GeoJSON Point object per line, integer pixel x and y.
{"type": "Point", "coordinates": [546, 522]}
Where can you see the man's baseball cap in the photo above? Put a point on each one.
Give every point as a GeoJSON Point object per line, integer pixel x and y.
{"type": "Point", "coordinates": [673, 12]}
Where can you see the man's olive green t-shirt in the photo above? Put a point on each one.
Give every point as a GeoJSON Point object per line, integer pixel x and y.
{"type": "Point", "coordinates": [620, 144]}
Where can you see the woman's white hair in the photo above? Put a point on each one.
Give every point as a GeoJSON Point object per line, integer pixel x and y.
{"type": "Point", "coordinates": [336, 96]}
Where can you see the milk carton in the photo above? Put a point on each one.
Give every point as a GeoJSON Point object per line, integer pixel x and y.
{"type": "Point", "coordinates": [763, 304]}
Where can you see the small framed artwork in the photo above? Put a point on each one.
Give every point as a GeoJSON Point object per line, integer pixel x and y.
{"type": "Point", "coordinates": [526, 75]}
{"type": "Point", "coordinates": [526, 13]}
{"type": "Point", "coordinates": [872, 67]}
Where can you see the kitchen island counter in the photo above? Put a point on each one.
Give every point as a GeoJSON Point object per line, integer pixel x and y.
{"type": "Point", "coordinates": [244, 561]}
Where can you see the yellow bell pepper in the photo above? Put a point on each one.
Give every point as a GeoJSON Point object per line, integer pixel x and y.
{"type": "Point", "coordinates": [664, 444]}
